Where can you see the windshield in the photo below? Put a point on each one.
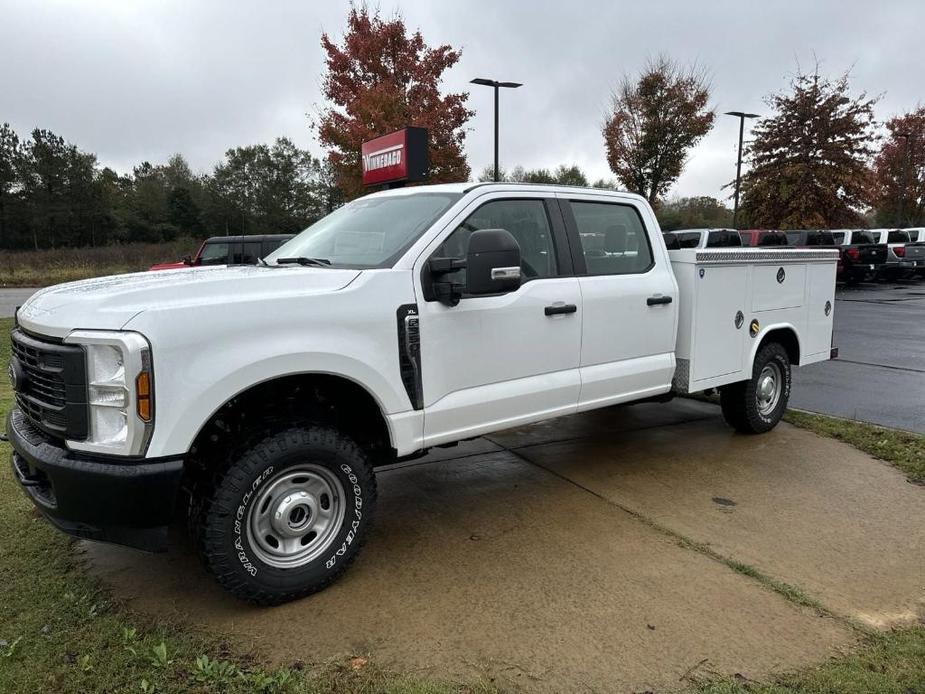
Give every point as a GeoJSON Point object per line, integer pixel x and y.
{"type": "Point", "coordinates": [368, 232]}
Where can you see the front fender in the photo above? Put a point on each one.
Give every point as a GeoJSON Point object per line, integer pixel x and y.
{"type": "Point", "coordinates": [205, 355]}
{"type": "Point", "coordinates": [177, 427]}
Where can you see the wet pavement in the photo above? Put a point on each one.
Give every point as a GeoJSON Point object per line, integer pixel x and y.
{"type": "Point", "coordinates": [879, 375]}
{"type": "Point", "coordinates": [568, 555]}
{"type": "Point", "coordinates": [11, 298]}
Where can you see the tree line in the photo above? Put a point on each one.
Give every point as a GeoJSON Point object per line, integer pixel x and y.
{"type": "Point", "coordinates": [53, 194]}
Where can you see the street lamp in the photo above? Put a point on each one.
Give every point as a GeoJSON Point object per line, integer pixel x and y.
{"type": "Point", "coordinates": [735, 208]}
{"type": "Point", "coordinates": [905, 179]}
{"type": "Point", "coordinates": [497, 85]}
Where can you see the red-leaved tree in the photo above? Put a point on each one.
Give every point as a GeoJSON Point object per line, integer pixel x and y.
{"type": "Point", "coordinates": [380, 79]}
{"type": "Point", "coordinates": [898, 192]}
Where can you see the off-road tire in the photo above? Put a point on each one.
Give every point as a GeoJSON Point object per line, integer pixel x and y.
{"type": "Point", "coordinates": [740, 401]}
{"type": "Point", "coordinates": [221, 511]}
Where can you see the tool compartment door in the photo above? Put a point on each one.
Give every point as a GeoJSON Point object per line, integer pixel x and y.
{"type": "Point", "coordinates": [716, 348]}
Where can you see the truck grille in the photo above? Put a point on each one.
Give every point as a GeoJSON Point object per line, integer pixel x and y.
{"type": "Point", "coordinates": [49, 382]}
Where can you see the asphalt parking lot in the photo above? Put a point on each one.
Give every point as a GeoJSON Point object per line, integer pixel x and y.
{"type": "Point", "coordinates": [592, 553]}
{"type": "Point", "coordinates": [879, 376]}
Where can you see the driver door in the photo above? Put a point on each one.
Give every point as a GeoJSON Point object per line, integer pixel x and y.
{"type": "Point", "coordinates": [496, 361]}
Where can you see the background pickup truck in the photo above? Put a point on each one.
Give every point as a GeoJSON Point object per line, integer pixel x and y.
{"type": "Point", "coordinates": [229, 250]}
{"type": "Point", "coordinates": [862, 257]}
{"type": "Point", "coordinates": [406, 319]}
{"type": "Point", "coordinates": [702, 238]}
{"type": "Point", "coordinates": [903, 256]}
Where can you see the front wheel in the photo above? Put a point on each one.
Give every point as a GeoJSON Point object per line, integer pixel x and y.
{"type": "Point", "coordinates": [288, 515]}
{"type": "Point", "coordinates": [757, 405]}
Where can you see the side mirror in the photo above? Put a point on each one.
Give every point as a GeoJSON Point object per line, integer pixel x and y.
{"type": "Point", "coordinates": [187, 260]}
{"type": "Point", "coordinates": [492, 262]}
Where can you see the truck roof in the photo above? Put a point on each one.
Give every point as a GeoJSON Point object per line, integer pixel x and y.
{"type": "Point", "coordinates": [467, 186]}
{"type": "Point", "coordinates": [249, 237]}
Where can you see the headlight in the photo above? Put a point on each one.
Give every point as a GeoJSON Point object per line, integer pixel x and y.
{"type": "Point", "coordinates": [120, 394]}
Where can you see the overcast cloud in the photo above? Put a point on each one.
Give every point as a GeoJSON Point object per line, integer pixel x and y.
{"type": "Point", "coordinates": [134, 81]}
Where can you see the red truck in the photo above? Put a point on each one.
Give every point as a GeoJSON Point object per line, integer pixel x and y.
{"type": "Point", "coordinates": [229, 250]}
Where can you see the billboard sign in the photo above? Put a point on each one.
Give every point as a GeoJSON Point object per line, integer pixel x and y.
{"type": "Point", "coordinates": [399, 157]}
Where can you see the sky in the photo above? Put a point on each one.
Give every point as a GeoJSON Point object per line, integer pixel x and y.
{"type": "Point", "coordinates": [136, 80]}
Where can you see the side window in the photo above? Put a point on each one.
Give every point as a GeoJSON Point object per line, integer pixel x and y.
{"type": "Point", "coordinates": [613, 238]}
{"type": "Point", "coordinates": [527, 222]}
{"type": "Point", "coordinates": [271, 245]}
{"type": "Point", "coordinates": [251, 252]}
{"type": "Point", "coordinates": [214, 254]}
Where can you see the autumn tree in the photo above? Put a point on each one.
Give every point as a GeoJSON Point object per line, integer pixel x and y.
{"type": "Point", "coordinates": [898, 185]}
{"type": "Point", "coordinates": [381, 79]}
{"type": "Point", "coordinates": [655, 119]}
{"type": "Point", "coordinates": [808, 163]}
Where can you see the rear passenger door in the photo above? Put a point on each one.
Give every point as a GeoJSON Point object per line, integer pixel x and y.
{"type": "Point", "coordinates": [628, 299]}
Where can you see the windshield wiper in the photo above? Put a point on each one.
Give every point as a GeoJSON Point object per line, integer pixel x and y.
{"type": "Point", "coordinates": [302, 260]}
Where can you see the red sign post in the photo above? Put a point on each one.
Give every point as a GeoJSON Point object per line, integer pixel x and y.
{"type": "Point", "coordinates": [399, 157]}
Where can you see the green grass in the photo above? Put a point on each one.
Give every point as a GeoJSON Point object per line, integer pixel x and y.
{"type": "Point", "coordinates": [892, 663]}
{"type": "Point", "coordinates": [61, 631]}
{"type": "Point", "coordinates": [904, 450]}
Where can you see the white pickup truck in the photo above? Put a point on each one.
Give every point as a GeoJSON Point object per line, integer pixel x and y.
{"type": "Point", "coordinates": [261, 398]}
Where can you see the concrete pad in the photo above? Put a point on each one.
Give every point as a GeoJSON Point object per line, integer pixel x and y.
{"type": "Point", "coordinates": [487, 565]}
{"type": "Point", "coordinates": [810, 511]}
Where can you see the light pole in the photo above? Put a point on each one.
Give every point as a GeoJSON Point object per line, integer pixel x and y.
{"type": "Point", "coordinates": [905, 178]}
{"type": "Point", "coordinates": [497, 85]}
{"type": "Point", "coordinates": [735, 206]}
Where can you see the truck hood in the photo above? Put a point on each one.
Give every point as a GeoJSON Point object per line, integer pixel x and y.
{"type": "Point", "coordinates": [108, 303]}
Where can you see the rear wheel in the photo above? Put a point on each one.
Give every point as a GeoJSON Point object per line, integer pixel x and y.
{"type": "Point", "coordinates": [757, 405]}
{"type": "Point", "coordinates": [288, 514]}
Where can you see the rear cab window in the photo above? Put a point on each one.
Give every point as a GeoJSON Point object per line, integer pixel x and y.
{"type": "Point", "coordinates": [724, 238]}
{"type": "Point", "coordinates": [898, 237]}
{"type": "Point", "coordinates": [770, 238]}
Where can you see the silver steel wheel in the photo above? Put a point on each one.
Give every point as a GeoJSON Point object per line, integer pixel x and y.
{"type": "Point", "coordinates": [768, 391]}
{"type": "Point", "coordinates": [296, 516]}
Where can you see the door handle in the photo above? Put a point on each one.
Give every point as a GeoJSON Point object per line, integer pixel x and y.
{"type": "Point", "coordinates": [556, 309]}
{"type": "Point", "coordinates": [656, 300]}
